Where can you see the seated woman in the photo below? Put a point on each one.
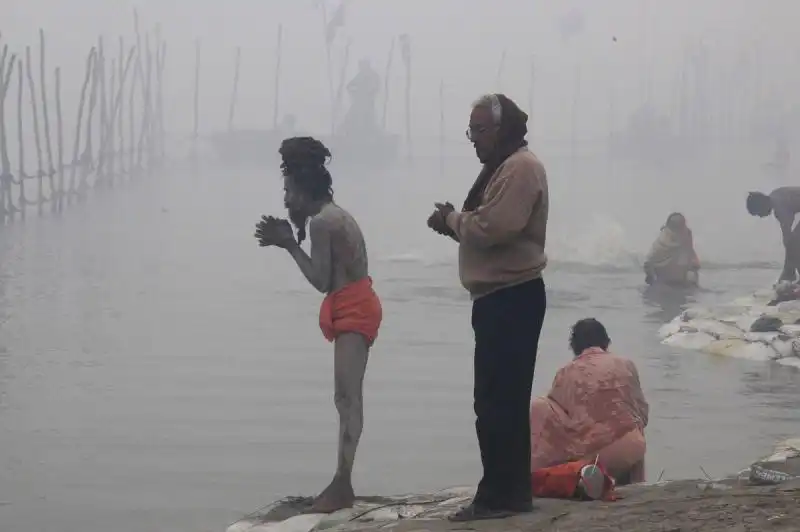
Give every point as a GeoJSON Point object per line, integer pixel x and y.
{"type": "Point", "coordinates": [672, 259]}
{"type": "Point", "coordinates": [595, 410]}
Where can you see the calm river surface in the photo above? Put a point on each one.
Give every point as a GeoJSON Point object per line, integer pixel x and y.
{"type": "Point", "coordinates": [160, 372]}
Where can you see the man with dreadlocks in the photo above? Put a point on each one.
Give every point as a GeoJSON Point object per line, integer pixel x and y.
{"type": "Point", "coordinates": [501, 234]}
{"type": "Point", "coordinates": [351, 311]}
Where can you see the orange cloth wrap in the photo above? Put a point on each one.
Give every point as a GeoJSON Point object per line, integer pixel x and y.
{"type": "Point", "coordinates": [353, 308]}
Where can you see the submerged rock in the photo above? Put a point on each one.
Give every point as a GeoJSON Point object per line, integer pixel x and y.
{"type": "Point", "coordinates": [766, 324]}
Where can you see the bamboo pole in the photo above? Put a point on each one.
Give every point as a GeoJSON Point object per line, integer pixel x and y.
{"type": "Point", "coordinates": [145, 133]}
{"type": "Point", "coordinates": [6, 72]}
{"type": "Point", "coordinates": [235, 91]}
{"type": "Point", "coordinates": [59, 141]}
{"type": "Point", "coordinates": [121, 124]}
{"type": "Point", "coordinates": [329, 64]}
{"type": "Point", "coordinates": [532, 100]}
{"type": "Point", "coordinates": [37, 139]}
{"type": "Point", "coordinates": [278, 58]}
{"type": "Point", "coordinates": [132, 169]}
{"type": "Point", "coordinates": [161, 52]}
{"type": "Point", "coordinates": [386, 77]}
{"type": "Point", "coordinates": [117, 108]}
{"type": "Point", "coordinates": [108, 130]}
{"type": "Point", "coordinates": [196, 128]}
{"type": "Point", "coordinates": [3, 57]}
{"type": "Point", "coordinates": [103, 103]}
{"type": "Point", "coordinates": [23, 201]}
{"type": "Point", "coordinates": [441, 128]}
{"type": "Point", "coordinates": [87, 157]}
{"type": "Point", "coordinates": [574, 119]}
{"type": "Point", "coordinates": [76, 153]}
{"type": "Point", "coordinates": [409, 147]}
{"type": "Point", "coordinates": [342, 80]}
{"type": "Point", "coordinates": [162, 56]}
{"type": "Point", "coordinates": [45, 116]}
{"type": "Point", "coordinates": [500, 71]}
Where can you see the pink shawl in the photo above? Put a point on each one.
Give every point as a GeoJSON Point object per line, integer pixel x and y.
{"type": "Point", "coordinates": [595, 400]}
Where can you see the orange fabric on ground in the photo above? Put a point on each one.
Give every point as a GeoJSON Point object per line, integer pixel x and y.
{"type": "Point", "coordinates": [353, 308]}
{"type": "Point", "coordinates": [561, 481]}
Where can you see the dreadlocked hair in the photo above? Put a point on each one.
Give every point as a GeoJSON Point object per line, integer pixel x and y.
{"type": "Point", "coordinates": [305, 160]}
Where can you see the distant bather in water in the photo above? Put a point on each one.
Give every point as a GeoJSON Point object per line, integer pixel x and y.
{"type": "Point", "coordinates": [595, 410]}
{"type": "Point", "coordinates": [672, 259]}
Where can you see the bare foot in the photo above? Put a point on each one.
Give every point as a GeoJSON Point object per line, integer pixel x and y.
{"type": "Point", "coordinates": [338, 495]}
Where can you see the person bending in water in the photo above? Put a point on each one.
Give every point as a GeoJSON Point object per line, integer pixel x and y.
{"type": "Point", "coordinates": [351, 313]}
{"type": "Point", "coordinates": [784, 203]}
{"type": "Point", "coordinates": [672, 259]}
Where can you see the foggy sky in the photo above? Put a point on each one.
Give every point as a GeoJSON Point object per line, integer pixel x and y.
{"type": "Point", "coordinates": [586, 84]}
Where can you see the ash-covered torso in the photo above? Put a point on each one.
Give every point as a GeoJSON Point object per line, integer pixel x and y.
{"type": "Point", "coordinates": [347, 254]}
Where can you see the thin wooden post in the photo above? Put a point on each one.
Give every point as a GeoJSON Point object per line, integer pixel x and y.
{"type": "Point", "coordinates": [23, 202]}
{"type": "Point", "coordinates": [342, 79]}
{"type": "Point", "coordinates": [76, 153]}
{"type": "Point", "coordinates": [102, 97]}
{"type": "Point", "coordinates": [6, 177]}
{"type": "Point", "coordinates": [500, 70]}
{"type": "Point", "coordinates": [386, 77]}
{"type": "Point", "coordinates": [87, 157]}
{"type": "Point", "coordinates": [196, 128]}
{"type": "Point", "coordinates": [132, 169]}
{"type": "Point", "coordinates": [121, 124]}
{"type": "Point", "coordinates": [162, 56]}
{"type": "Point", "coordinates": [532, 102]}
{"type": "Point", "coordinates": [46, 119]}
{"type": "Point", "coordinates": [59, 141]}
{"type": "Point", "coordinates": [235, 91]}
{"type": "Point", "coordinates": [37, 140]}
{"type": "Point", "coordinates": [277, 93]}
{"type": "Point", "coordinates": [441, 128]}
{"type": "Point", "coordinates": [145, 134]}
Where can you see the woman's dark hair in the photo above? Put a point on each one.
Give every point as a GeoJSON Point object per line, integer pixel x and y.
{"type": "Point", "coordinates": [588, 333]}
{"type": "Point", "coordinates": [305, 160]}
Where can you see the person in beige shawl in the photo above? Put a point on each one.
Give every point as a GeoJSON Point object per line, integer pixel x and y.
{"type": "Point", "coordinates": [672, 259]}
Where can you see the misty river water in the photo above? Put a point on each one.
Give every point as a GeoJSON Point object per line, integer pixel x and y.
{"type": "Point", "coordinates": [160, 372]}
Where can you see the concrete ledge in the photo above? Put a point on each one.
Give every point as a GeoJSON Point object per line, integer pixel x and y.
{"type": "Point", "coordinates": [766, 496]}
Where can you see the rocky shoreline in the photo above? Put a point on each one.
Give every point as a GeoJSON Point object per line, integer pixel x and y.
{"type": "Point", "coordinates": [763, 327]}
{"type": "Point", "coordinates": [765, 496]}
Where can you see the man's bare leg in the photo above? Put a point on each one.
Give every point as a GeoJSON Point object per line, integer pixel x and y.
{"type": "Point", "coordinates": [351, 352]}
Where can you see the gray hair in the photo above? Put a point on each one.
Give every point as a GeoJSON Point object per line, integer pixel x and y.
{"type": "Point", "coordinates": [492, 103]}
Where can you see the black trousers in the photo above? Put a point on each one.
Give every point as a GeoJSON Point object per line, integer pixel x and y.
{"type": "Point", "coordinates": [507, 324]}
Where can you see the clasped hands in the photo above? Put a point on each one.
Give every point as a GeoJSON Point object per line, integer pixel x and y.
{"type": "Point", "coordinates": [272, 231]}
{"type": "Point", "coordinates": [438, 218]}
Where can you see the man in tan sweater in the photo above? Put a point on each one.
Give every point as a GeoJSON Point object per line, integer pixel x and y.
{"type": "Point", "coordinates": [501, 233]}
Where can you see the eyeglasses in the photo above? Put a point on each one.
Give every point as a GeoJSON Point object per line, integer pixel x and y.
{"type": "Point", "coordinates": [473, 131]}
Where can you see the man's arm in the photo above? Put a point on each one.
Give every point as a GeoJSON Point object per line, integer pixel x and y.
{"type": "Point", "coordinates": [318, 267]}
{"type": "Point", "coordinates": [509, 203]}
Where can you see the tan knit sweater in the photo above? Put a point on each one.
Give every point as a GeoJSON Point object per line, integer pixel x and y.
{"type": "Point", "coordinates": [501, 243]}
